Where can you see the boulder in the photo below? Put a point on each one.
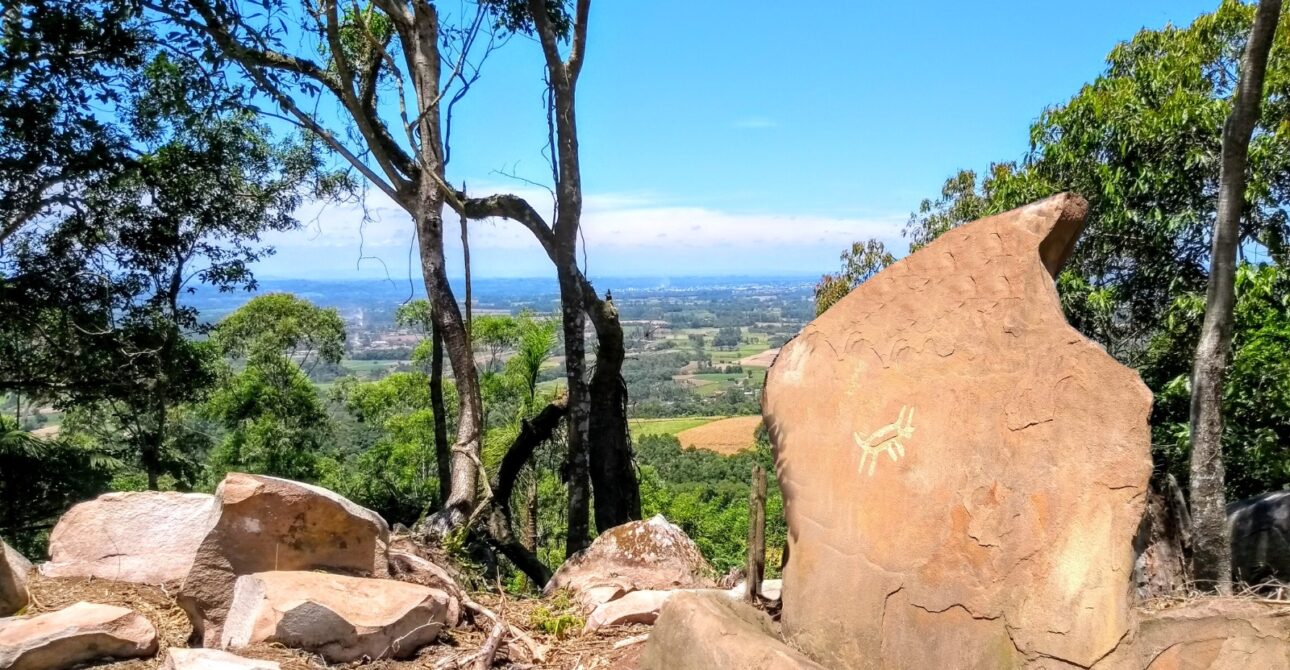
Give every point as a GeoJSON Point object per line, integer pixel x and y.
{"type": "Point", "coordinates": [14, 568]}
{"type": "Point", "coordinates": [341, 618]}
{"type": "Point", "coordinates": [408, 567]}
{"type": "Point", "coordinates": [634, 607]}
{"type": "Point", "coordinates": [963, 472]}
{"type": "Point", "coordinates": [1260, 529]}
{"type": "Point", "coordinates": [639, 555]}
{"type": "Point", "coordinates": [702, 631]}
{"type": "Point", "coordinates": [257, 524]}
{"type": "Point", "coordinates": [73, 635]}
{"type": "Point", "coordinates": [178, 658]}
{"type": "Point", "coordinates": [145, 537]}
{"type": "Point", "coordinates": [1209, 634]}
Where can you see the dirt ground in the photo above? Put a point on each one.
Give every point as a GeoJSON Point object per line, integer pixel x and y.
{"type": "Point", "coordinates": [577, 652]}
{"type": "Point", "coordinates": [727, 436]}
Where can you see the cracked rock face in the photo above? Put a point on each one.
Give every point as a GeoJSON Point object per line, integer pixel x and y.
{"type": "Point", "coordinates": [963, 472]}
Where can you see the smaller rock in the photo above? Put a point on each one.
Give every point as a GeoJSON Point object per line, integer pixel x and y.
{"type": "Point", "coordinates": [143, 537]}
{"type": "Point", "coordinates": [408, 567]}
{"type": "Point", "coordinates": [73, 635]}
{"type": "Point", "coordinates": [700, 631]}
{"type": "Point", "coordinates": [1260, 530]}
{"type": "Point", "coordinates": [178, 658]}
{"type": "Point", "coordinates": [635, 607]}
{"type": "Point", "coordinates": [341, 618]}
{"type": "Point", "coordinates": [771, 589]}
{"type": "Point", "coordinates": [636, 556]}
{"type": "Point", "coordinates": [13, 580]}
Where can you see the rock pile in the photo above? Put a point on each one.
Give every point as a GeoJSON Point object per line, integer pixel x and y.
{"type": "Point", "coordinates": [263, 560]}
{"type": "Point", "coordinates": [263, 524]}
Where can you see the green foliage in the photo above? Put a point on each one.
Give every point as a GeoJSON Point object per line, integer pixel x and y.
{"type": "Point", "coordinates": [559, 616]}
{"type": "Point", "coordinates": [1256, 395]}
{"type": "Point", "coordinates": [282, 324]}
{"type": "Point", "coordinates": [706, 494]}
{"type": "Point", "coordinates": [862, 261]}
{"type": "Point", "coordinates": [396, 474]}
{"type": "Point", "coordinates": [41, 478]}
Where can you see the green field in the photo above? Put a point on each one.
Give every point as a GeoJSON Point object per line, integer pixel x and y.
{"type": "Point", "coordinates": [670, 426]}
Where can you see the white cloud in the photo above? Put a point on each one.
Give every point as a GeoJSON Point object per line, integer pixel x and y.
{"type": "Point", "coordinates": [624, 233]}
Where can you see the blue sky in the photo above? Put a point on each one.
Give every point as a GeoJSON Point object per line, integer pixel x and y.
{"type": "Point", "coordinates": [749, 138]}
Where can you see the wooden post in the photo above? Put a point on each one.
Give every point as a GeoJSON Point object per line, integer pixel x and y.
{"type": "Point", "coordinates": [756, 534]}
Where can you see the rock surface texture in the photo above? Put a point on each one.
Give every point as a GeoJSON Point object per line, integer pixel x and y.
{"type": "Point", "coordinates": [1208, 634]}
{"type": "Point", "coordinates": [145, 537]}
{"type": "Point", "coordinates": [258, 524]}
{"type": "Point", "coordinates": [704, 631]}
{"type": "Point", "coordinates": [640, 555]}
{"type": "Point", "coordinates": [1260, 530]}
{"type": "Point", "coordinates": [73, 635]}
{"type": "Point", "coordinates": [14, 569]}
{"type": "Point", "coordinates": [178, 658]}
{"type": "Point", "coordinates": [963, 472]}
{"type": "Point", "coordinates": [342, 618]}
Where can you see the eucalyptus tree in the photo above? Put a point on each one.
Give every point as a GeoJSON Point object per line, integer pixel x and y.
{"type": "Point", "coordinates": [599, 440]}
{"type": "Point", "coordinates": [386, 73]}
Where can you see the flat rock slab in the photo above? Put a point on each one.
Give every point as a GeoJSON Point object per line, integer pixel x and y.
{"type": "Point", "coordinates": [1209, 634]}
{"type": "Point", "coordinates": [212, 659]}
{"type": "Point", "coordinates": [963, 472]}
{"type": "Point", "coordinates": [704, 631]}
{"type": "Point", "coordinates": [258, 524]}
{"type": "Point", "coordinates": [341, 618]}
{"type": "Point", "coordinates": [144, 537]}
{"type": "Point", "coordinates": [73, 635]}
{"type": "Point", "coordinates": [640, 555]}
{"type": "Point", "coordinates": [14, 569]}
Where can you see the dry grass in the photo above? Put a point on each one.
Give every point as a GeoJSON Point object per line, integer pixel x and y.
{"type": "Point", "coordinates": [727, 436]}
{"type": "Point", "coordinates": [590, 652]}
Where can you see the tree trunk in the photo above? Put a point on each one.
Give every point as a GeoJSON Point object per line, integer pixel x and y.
{"type": "Point", "coordinates": [442, 452]}
{"type": "Point", "coordinates": [1211, 556]}
{"type": "Point", "coordinates": [613, 474]}
{"type": "Point", "coordinates": [756, 535]}
{"type": "Point", "coordinates": [578, 532]}
{"type": "Point", "coordinates": [500, 520]}
{"type": "Point", "coordinates": [447, 319]}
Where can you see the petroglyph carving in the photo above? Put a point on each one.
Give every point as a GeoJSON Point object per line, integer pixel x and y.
{"type": "Point", "coordinates": [890, 438]}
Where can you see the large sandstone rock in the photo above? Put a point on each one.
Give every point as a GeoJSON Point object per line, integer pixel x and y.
{"type": "Point", "coordinates": [261, 523]}
{"type": "Point", "coordinates": [639, 555]}
{"type": "Point", "coordinates": [73, 635]}
{"type": "Point", "coordinates": [704, 631]}
{"type": "Point", "coordinates": [341, 618]}
{"type": "Point", "coordinates": [145, 537]}
{"type": "Point", "coordinates": [962, 471]}
{"type": "Point", "coordinates": [1207, 634]}
{"type": "Point", "coordinates": [178, 658]}
{"type": "Point", "coordinates": [13, 580]}
{"type": "Point", "coordinates": [1260, 529]}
